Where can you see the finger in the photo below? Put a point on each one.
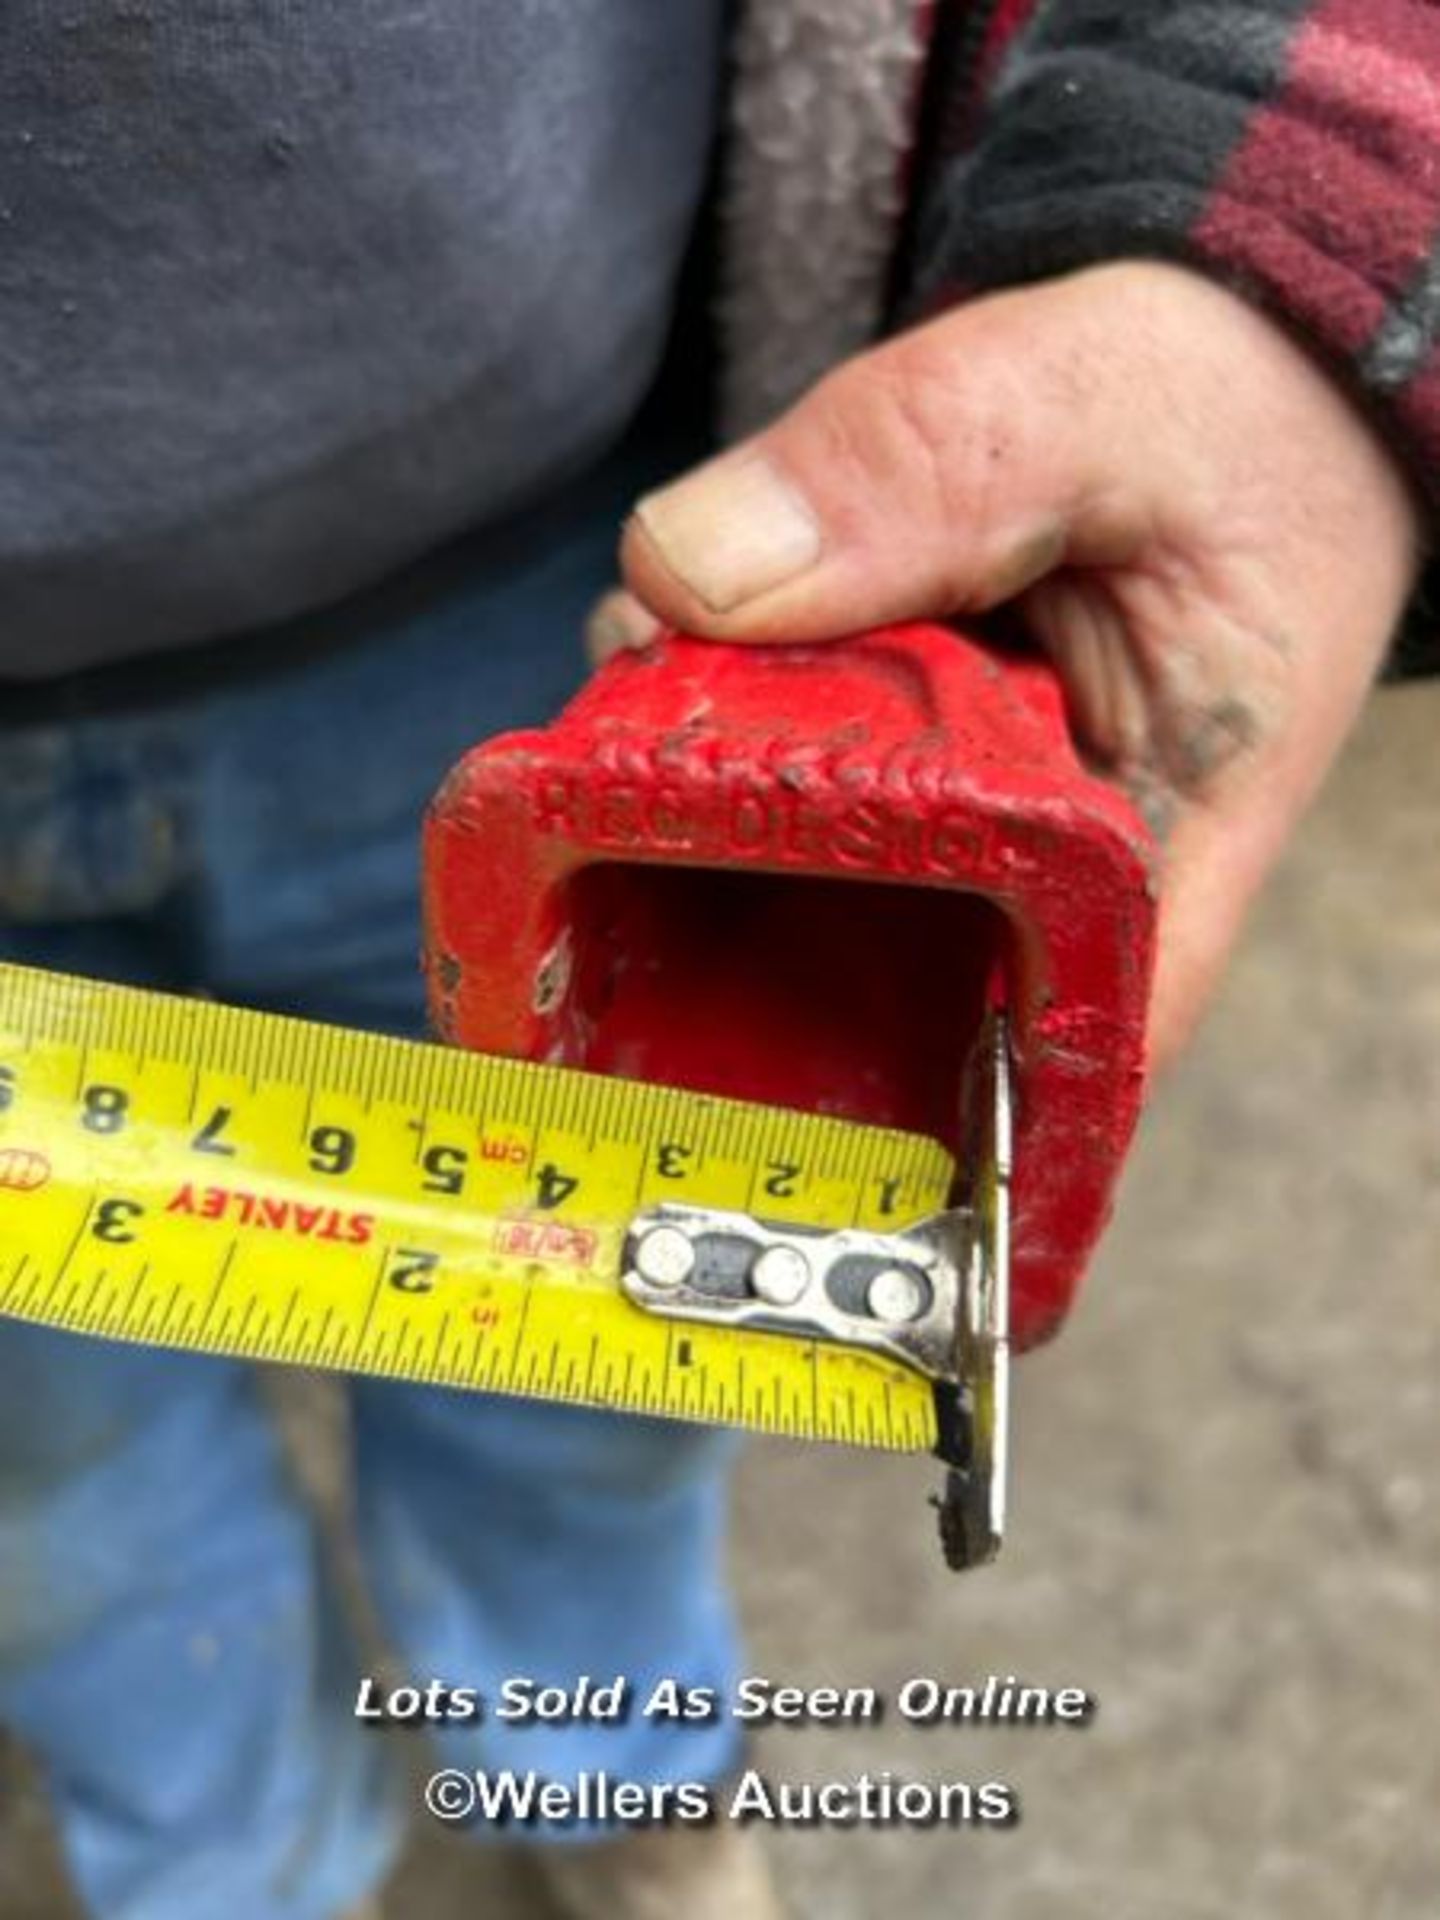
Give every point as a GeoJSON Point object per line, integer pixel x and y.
{"type": "Point", "coordinates": [1224, 839]}
{"type": "Point", "coordinates": [617, 624]}
{"type": "Point", "coordinates": [1206, 896]}
{"type": "Point", "coordinates": [939, 474]}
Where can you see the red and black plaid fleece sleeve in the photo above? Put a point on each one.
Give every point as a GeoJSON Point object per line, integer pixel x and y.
{"type": "Point", "coordinates": [1291, 147]}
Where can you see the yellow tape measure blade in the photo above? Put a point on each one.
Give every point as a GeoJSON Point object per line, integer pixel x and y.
{"type": "Point", "coordinates": [208, 1177]}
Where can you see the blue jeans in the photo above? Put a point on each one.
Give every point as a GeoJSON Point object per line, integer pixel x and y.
{"type": "Point", "coordinates": [168, 1643]}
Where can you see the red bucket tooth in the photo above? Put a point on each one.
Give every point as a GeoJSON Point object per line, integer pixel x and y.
{"type": "Point", "coordinates": [798, 875]}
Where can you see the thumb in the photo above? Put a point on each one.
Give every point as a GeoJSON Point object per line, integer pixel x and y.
{"type": "Point", "coordinates": [939, 474]}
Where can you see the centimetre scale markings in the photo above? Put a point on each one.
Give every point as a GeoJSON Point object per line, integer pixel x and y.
{"type": "Point", "coordinates": [213, 1179]}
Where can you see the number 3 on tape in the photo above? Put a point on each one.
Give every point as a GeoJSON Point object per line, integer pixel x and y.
{"type": "Point", "coordinates": [204, 1177]}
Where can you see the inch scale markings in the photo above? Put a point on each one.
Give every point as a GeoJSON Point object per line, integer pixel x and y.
{"type": "Point", "coordinates": [305, 1228]}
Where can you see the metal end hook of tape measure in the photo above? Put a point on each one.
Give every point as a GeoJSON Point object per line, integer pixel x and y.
{"type": "Point", "coordinates": [213, 1178]}
{"type": "Point", "coordinates": [936, 1297]}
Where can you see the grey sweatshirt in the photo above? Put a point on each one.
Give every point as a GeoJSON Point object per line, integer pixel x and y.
{"type": "Point", "coordinates": [292, 290]}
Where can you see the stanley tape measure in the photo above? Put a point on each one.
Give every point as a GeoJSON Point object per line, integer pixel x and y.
{"type": "Point", "coordinates": [198, 1176]}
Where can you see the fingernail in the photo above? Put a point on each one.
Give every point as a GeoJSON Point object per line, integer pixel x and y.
{"type": "Point", "coordinates": [619, 624]}
{"type": "Point", "coordinates": [733, 531]}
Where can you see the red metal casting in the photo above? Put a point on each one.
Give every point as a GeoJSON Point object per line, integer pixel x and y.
{"type": "Point", "coordinates": [798, 875]}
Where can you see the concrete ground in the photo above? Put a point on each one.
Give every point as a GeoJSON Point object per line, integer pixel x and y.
{"type": "Point", "coordinates": [1227, 1501]}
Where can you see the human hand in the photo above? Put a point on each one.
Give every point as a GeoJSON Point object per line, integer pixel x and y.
{"type": "Point", "coordinates": [1197, 525]}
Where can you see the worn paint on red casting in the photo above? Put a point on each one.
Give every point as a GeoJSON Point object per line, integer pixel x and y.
{"type": "Point", "coordinates": [798, 874]}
